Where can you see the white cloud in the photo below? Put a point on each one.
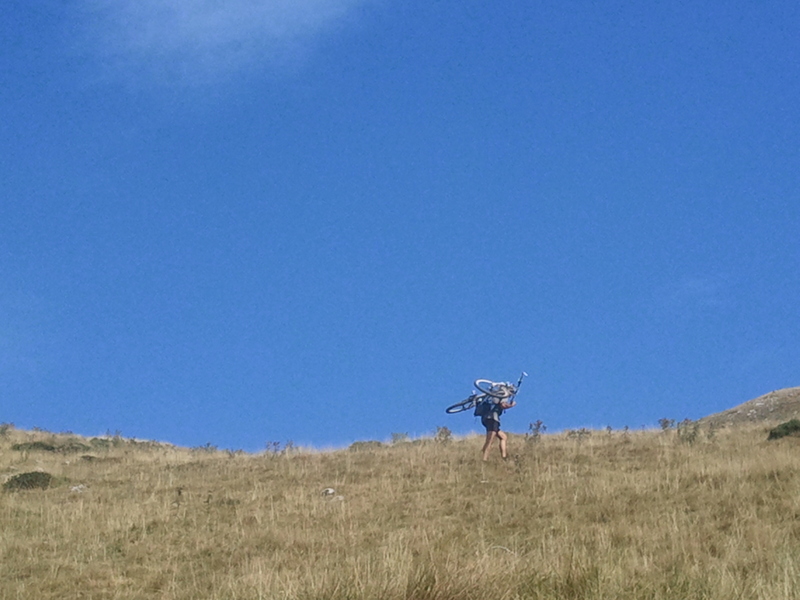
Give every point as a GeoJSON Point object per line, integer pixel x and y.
{"type": "Point", "coordinates": [201, 39]}
{"type": "Point", "coordinates": [698, 292]}
{"type": "Point", "coordinates": [694, 296]}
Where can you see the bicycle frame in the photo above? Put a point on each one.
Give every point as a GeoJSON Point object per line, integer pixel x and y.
{"type": "Point", "coordinates": [481, 395]}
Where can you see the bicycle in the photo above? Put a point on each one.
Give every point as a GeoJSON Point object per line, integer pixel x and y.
{"type": "Point", "coordinates": [487, 389]}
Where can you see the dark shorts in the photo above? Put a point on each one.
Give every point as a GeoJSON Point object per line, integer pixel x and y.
{"type": "Point", "coordinates": [490, 424]}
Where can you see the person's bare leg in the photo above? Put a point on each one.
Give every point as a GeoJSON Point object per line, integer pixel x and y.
{"type": "Point", "coordinates": [503, 443]}
{"type": "Point", "coordinates": [488, 444]}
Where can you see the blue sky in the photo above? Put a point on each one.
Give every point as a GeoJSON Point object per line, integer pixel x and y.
{"type": "Point", "coordinates": [320, 220]}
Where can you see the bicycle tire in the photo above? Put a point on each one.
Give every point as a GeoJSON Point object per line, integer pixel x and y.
{"type": "Point", "coordinates": [463, 405]}
{"type": "Point", "coordinates": [485, 386]}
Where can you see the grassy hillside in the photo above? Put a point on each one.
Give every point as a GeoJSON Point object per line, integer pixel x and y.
{"type": "Point", "coordinates": [775, 407]}
{"type": "Point", "coordinates": [582, 516]}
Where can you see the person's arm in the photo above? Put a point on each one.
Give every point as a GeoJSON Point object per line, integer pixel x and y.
{"type": "Point", "coordinates": [506, 405]}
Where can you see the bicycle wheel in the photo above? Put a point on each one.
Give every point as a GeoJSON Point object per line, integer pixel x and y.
{"type": "Point", "coordinates": [486, 386]}
{"type": "Point", "coordinates": [462, 406]}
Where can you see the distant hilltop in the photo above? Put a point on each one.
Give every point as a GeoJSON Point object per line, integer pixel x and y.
{"type": "Point", "coordinates": [780, 405]}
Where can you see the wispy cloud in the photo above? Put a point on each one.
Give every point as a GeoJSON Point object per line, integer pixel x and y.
{"type": "Point", "coordinates": [693, 296]}
{"type": "Point", "coordinates": [696, 292]}
{"type": "Point", "coordinates": [202, 39]}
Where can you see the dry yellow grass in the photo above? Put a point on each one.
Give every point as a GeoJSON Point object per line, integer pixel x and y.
{"type": "Point", "coordinates": [612, 516]}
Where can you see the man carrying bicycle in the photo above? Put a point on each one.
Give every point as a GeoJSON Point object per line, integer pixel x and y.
{"type": "Point", "coordinates": [490, 412]}
{"type": "Point", "coordinates": [489, 401]}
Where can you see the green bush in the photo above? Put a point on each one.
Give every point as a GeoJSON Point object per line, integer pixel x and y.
{"type": "Point", "coordinates": [65, 448]}
{"type": "Point", "coordinates": [789, 428]}
{"type": "Point", "coordinates": [73, 447]}
{"type": "Point", "coordinates": [367, 445]}
{"type": "Point", "coordinates": [29, 481]}
{"type": "Point", "coordinates": [38, 446]}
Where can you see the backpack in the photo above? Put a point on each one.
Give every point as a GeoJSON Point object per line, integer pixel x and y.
{"type": "Point", "coordinates": [484, 408]}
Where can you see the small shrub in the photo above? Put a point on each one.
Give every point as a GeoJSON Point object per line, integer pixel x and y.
{"type": "Point", "coordinates": [788, 428]}
{"type": "Point", "coordinates": [443, 435]}
{"type": "Point", "coordinates": [535, 431]}
{"type": "Point", "coordinates": [276, 449]}
{"type": "Point", "coordinates": [688, 431]}
{"type": "Point", "coordinates": [666, 424]}
{"type": "Point", "coordinates": [66, 448]}
{"type": "Point", "coordinates": [73, 447]}
{"type": "Point", "coordinates": [208, 448]}
{"type": "Point", "coordinates": [399, 438]}
{"type": "Point", "coordinates": [366, 445]}
{"type": "Point", "coordinates": [100, 443]}
{"type": "Point", "coordinates": [35, 446]}
{"type": "Point", "coordinates": [116, 438]}
{"type": "Point", "coordinates": [5, 428]}
{"type": "Point", "coordinates": [580, 435]}
{"type": "Point", "coordinates": [29, 481]}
